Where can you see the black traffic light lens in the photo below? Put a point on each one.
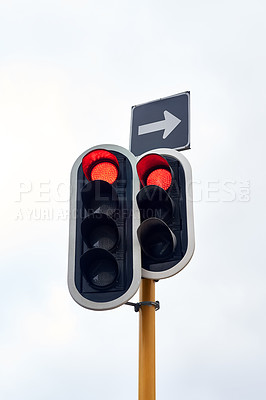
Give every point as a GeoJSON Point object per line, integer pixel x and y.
{"type": "Point", "coordinates": [99, 268]}
{"type": "Point", "coordinates": [156, 239]}
{"type": "Point", "coordinates": [99, 196]}
{"type": "Point", "coordinates": [153, 201]}
{"type": "Point", "coordinates": [99, 230]}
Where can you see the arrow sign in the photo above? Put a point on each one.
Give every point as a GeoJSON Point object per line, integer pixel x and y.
{"type": "Point", "coordinates": [165, 130]}
{"type": "Point", "coordinates": [168, 124]}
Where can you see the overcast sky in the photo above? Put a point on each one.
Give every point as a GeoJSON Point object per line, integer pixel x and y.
{"type": "Point", "coordinates": [69, 73]}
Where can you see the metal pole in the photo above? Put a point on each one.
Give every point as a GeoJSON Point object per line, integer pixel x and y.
{"type": "Point", "coordinates": [147, 390]}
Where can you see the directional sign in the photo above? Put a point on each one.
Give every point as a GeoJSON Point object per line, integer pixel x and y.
{"type": "Point", "coordinates": [161, 123]}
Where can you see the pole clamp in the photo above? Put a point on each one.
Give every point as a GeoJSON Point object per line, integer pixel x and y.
{"type": "Point", "coordinates": [137, 306]}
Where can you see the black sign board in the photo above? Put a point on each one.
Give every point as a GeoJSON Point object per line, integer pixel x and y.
{"type": "Point", "coordinates": [161, 123]}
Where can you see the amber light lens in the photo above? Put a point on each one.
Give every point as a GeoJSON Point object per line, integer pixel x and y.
{"type": "Point", "coordinates": [160, 177]}
{"type": "Point", "coordinates": [104, 171]}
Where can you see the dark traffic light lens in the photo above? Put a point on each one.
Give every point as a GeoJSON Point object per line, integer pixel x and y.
{"type": "Point", "coordinates": [99, 230]}
{"type": "Point", "coordinates": [160, 177]}
{"type": "Point", "coordinates": [153, 201]}
{"type": "Point", "coordinates": [99, 268]}
{"type": "Point", "coordinates": [156, 239]}
{"type": "Point", "coordinates": [99, 196]}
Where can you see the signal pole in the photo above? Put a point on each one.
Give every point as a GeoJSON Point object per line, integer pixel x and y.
{"type": "Point", "coordinates": [147, 388]}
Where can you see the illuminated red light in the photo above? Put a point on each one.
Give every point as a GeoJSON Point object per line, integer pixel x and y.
{"type": "Point", "coordinates": [104, 171]}
{"type": "Point", "coordinates": [160, 177]}
{"type": "Point", "coordinates": [100, 165]}
{"type": "Point", "coordinates": [154, 169]}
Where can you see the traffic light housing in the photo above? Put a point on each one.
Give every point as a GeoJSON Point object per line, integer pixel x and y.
{"type": "Point", "coordinates": [166, 233]}
{"type": "Point", "coordinates": [104, 268]}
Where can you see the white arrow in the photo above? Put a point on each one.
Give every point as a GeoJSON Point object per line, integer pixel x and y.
{"type": "Point", "coordinates": [168, 124]}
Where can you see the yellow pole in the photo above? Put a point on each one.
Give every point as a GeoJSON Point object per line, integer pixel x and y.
{"type": "Point", "coordinates": [147, 389]}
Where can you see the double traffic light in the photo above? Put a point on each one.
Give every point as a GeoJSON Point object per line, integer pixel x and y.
{"type": "Point", "coordinates": [129, 218]}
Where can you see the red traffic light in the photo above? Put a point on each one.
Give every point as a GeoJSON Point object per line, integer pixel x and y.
{"type": "Point", "coordinates": [100, 165]}
{"type": "Point", "coordinates": [104, 171]}
{"type": "Point", "coordinates": [166, 233]}
{"type": "Point", "coordinates": [153, 169]}
{"type": "Point", "coordinates": [104, 268]}
{"type": "Point", "coordinates": [160, 177]}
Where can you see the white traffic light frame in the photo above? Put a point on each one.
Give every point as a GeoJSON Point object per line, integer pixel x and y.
{"type": "Point", "coordinates": [136, 252]}
{"type": "Point", "coordinates": [156, 275]}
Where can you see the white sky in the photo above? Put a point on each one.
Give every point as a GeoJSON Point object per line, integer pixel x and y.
{"type": "Point", "coordinates": [69, 74]}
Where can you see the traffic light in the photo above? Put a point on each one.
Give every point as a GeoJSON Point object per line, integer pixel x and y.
{"type": "Point", "coordinates": [104, 268]}
{"type": "Point", "coordinates": [166, 233]}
